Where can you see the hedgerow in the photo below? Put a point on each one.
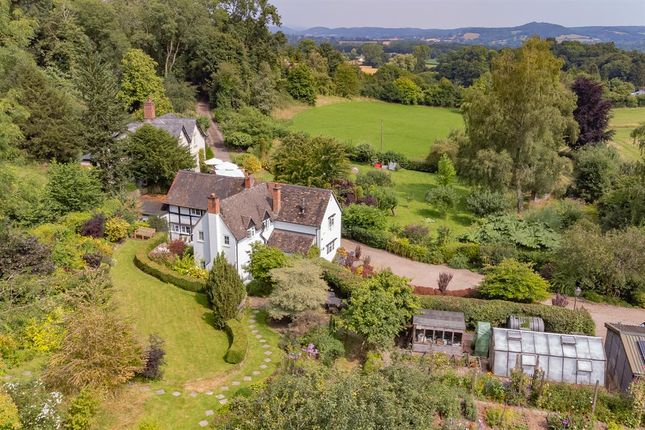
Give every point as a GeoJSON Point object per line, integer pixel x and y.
{"type": "Point", "coordinates": [238, 342]}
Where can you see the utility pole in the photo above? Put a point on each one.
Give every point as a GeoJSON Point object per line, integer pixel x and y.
{"type": "Point", "coordinates": [381, 136]}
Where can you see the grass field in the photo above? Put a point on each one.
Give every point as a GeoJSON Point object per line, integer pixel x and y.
{"type": "Point", "coordinates": [411, 188]}
{"type": "Point", "coordinates": [410, 130]}
{"type": "Point", "coordinates": [195, 352]}
{"type": "Point", "coordinates": [624, 120]}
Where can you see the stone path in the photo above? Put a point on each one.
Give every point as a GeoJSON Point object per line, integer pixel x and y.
{"type": "Point", "coordinates": [221, 396]}
{"type": "Point", "coordinates": [215, 137]}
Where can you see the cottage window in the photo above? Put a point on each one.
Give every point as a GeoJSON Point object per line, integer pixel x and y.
{"type": "Point", "coordinates": [200, 236]}
{"type": "Point", "coordinates": [202, 264]}
{"type": "Point", "coordinates": [227, 240]}
{"type": "Point", "coordinates": [267, 223]}
{"type": "Point", "coordinates": [331, 220]}
{"type": "Point", "coordinates": [331, 246]}
{"type": "Point", "coordinates": [175, 228]}
{"type": "Point", "coordinates": [250, 232]}
{"type": "Point", "coordinates": [185, 229]}
{"type": "Point", "coordinates": [195, 212]}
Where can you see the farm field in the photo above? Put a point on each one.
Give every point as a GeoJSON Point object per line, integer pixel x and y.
{"type": "Point", "coordinates": [410, 130]}
{"type": "Point", "coordinates": [624, 120]}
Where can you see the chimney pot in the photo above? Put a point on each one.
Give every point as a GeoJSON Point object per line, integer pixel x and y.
{"type": "Point", "coordinates": [213, 204]}
{"type": "Point", "coordinates": [276, 194]}
{"type": "Point", "coordinates": [148, 110]}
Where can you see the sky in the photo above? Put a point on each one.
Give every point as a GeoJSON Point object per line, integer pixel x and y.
{"type": "Point", "coordinates": [458, 13]}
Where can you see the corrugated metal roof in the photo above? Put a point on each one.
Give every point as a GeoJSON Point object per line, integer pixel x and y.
{"type": "Point", "coordinates": [630, 335]}
{"type": "Point", "coordinates": [443, 320]}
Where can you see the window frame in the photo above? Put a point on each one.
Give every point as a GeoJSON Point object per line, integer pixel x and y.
{"type": "Point", "coordinates": [227, 240]}
{"type": "Point", "coordinates": [250, 232]}
{"type": "Point", "coordinates": [195, 212]}
{"type": "Point", "coordinates": [331, 244]}
{"type": "Point", "coordinates": [200, 236]}
{"type": "Point", "coordinates": [331, 221]}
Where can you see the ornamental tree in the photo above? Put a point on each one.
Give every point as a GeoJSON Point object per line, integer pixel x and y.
{"type": "Point", "coordinates": [515, 282]}
{"type": "Point", "coordinates": [225, 290]}
{"type": "Point", "coordinates": [297, 289]}
{"type": "Point", "coordinates": [592, 112]}
{"type": "Point", "coordinates": [380, 308]}
{"type": "Point", "coordinates": [140, 81]}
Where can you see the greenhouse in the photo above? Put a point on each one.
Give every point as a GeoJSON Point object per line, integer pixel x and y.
{"type": "Point", "coordinates": [563, 358]}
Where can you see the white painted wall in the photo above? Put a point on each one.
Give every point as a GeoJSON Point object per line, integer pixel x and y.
{"type": "Point", "coordinates": [327, 233]}
{"type": "Point", "coordinates": [214, 230]}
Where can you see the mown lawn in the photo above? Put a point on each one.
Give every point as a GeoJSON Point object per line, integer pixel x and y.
{"type": "Point", "coordinates": [624, 120]}
{"type": "Point", "coordinates": [411, 188]}
{"type": "Point", "coordinates": [410, 130]}
{"type": "Point", "coordinates": [195, 352]}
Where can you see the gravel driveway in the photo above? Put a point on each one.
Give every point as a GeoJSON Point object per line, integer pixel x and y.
{"type": "Point", "coordinates": [421, 274]}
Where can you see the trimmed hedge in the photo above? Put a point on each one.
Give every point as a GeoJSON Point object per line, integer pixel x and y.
{"type": "Point", "coordinates": [556, 319]}
{"type": "Point", "coordinates": [161, 272]}
{"type": "Point", "coordinates": [340, 279]}
{"type": "Point", "coordinates": [404, 248]}
{"type": "Point", "coordinates": [374, 238]}
{"type": "Point", "coordinates": [238, 342]}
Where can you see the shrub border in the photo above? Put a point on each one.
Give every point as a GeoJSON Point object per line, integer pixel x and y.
{"type": "Point", "coordinates": [145, 264]}
{"type": "Point", "coordinates": [238, 342]}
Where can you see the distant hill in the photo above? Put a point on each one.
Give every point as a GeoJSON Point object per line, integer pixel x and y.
{"type": "Point", "coordinates": [624, 37]}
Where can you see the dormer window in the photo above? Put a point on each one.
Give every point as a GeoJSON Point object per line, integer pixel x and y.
{"type": "Point", "coordinates": [250, 232]}
{"type": "Point", "coordinates": [267, 223]}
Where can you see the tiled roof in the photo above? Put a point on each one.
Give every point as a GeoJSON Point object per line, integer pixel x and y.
{"type": "Point", "coordinates": [191, 189]}
{"type": "Point", "coordinates": [303, 205]}
{"type": "Point", "coordinates": [170, 123]}
{"type": "Point", "coordinates": [246, 209]}
{"type": "Point", "coordinates": [291, 242]}
{"type": "Point", "coordinates": [152, 204]}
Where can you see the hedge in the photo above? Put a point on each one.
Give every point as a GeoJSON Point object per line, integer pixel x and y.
{"type": "Point", "coordinates": [238, 342]}
{"type": "Point", "coordinates": [404, 248]}
{"type": "Point", "coordinates": [161, 272]}
{"type": "Point", "coordinates": [339, 278]}
{"type": "Point", "coordinates": [556, 319]}
{"type": "Point", "coordinates": [373, 238]}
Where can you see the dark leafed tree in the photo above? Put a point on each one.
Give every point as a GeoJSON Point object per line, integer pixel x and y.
{"type": "Point", "coordinates": [155, 156]}
{"type": "Point", "coordinates": [592, 112]}
{"type": "Point", "coordinates": [103, 119]}
{"type": "Point", "coordinates": [225, 290]}
{"type": "Point", "coordinates": [521, 114]}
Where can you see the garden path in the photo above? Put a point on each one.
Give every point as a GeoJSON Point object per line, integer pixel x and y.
{"type": "Point", "coordinates": [215, 137]}
{"type": "Point", "coordinates": [420, 274]}
{"type": "Point", "coordinates": [602, 313]}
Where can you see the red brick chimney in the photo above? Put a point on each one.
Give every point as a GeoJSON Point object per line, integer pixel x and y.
{"type": "Point", "coordinates": [248, 181]}
{"type": "Point", "coordinates": [148, 110]}
{"type": "Point", "coordinates": [276, 194]}
{"type": "Point", "coordinates": [213, 204]}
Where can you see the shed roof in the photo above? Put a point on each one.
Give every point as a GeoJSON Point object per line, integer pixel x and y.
{"type": "Point", "coordinates": [442, 320]}
{"type": "Point", "coordinates": [630, 336]}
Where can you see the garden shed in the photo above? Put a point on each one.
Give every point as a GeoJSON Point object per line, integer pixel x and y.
{"type": "Point", "coordinates": [625, 346]}
{"type": "Point", "coordinates": [568, 358]}
{"type": "Point", "coordinates": [438, 331]}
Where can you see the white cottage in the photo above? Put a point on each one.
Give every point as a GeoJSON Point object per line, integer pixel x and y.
{"type": "Point", "coordinates": [185, 130]}
{"type": "Point", "coordinates": [227, 215]}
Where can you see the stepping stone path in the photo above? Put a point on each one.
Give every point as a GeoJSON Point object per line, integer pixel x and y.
{"type": "Point", "coordinates": [235, 383]}
{"type": "Point", "coordinates": [247, 378]}
{"type": "Point", "coordinates": [209, 413]}
{"type": "Point", "coordinates": [266, 346]}
{"type": "Point", "coordinates": [7, 377]}
{"type": "Point", "coordinates": [203, 423]}
{"type": "Point", "coordinates": [267, 360]}
{"type": "Point", "coordinates": [224, 388]}
{"type": "Point", "coordinates": [27, 373]}
{"type": "Point", "coordinates": [263, 366]}
{"type": "Point", "coordinates": [220, 396]}
{"type": "Point", "coordinates": [267, 353]}
{"type": "Point", "coordinates": [209, 393]}
{"type": "Point", "coordinates": [223, 401]}
{"type": "Point", "coordinates": [255, 373]}
{"type": "Point", "coordinates": [258, 336]}
{"type": "Point", "coordinates": [176, 393]}
{"type": "Point", "coordinates": [262, 341]}
{"type": "Point", "coordinates": [160, 391]}
{"type": "Point", "coordinates": [193, 394]}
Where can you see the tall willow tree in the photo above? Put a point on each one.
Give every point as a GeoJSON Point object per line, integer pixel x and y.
{"type": "Point", "coordinates": [517, 119]}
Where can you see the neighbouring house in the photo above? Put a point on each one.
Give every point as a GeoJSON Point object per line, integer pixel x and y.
{"type": "Point", "coordinates": [219, 214]}
{"type": "Point", "coordinates": [574, 359]}
{"type": "Point", "coordinates": [186, 130]}
{"type": "Point", "coordinates": [438, 331]}
{"type": "Point", "coordinates": [625, 348]}
{"type": "Point", "coordinates": [639, 92]}
{"type": "Point", "coordinates": [152, 205]}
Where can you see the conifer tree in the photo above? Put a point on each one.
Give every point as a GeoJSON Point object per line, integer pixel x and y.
{"type": "Point", "coordinates": [224, 289]}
